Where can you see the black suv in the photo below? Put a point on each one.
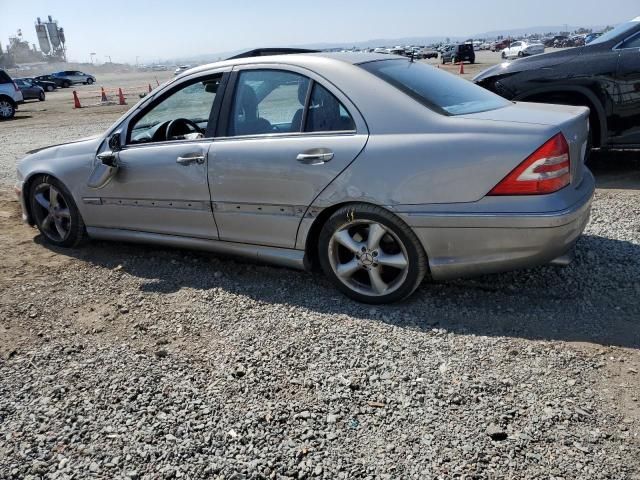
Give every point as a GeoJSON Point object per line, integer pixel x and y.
{"type": "Point", "coordinates": [459, 53]}
{"type": "Point", "coordinates": [603, 75]}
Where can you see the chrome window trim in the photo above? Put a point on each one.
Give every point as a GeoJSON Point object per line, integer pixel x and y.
{"type": "Point", "coordinates": [630, 37]}
{"type": "Point", "coordinates": [264, 136]}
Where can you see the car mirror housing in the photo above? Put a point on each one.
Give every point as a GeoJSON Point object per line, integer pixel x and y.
{"type": "Point", "coordinates": [114, 142]}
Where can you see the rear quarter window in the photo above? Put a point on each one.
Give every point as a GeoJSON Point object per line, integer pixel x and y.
{"type": "Point", "coordinates": [440, 91]}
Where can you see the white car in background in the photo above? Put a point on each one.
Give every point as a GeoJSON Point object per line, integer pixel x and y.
{"type": "Point", "coordinates": [522, 49]}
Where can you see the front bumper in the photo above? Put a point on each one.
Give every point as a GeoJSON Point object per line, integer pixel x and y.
{"type": "Point", "coordinates": [462, 245]}
{"type": "Point", "coordinates": [17, 188]}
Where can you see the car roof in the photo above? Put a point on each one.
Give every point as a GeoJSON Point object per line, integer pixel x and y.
{"type": "Point", "coordinates": [353, 58]}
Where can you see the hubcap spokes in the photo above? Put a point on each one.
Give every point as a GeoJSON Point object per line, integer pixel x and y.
{"type": "Point", "coordinates": [368, 258]}
{"type": "Point", "coordinates": [53, 211]}
{"type": "Point", "coordinates": [5, 109]}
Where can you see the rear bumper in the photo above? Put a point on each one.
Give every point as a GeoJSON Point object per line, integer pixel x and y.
{"type": "Point", "coordinates": [461, 245]}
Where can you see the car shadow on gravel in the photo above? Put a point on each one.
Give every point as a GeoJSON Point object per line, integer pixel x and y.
{"type": "Point", "coordinates": [595, 299]}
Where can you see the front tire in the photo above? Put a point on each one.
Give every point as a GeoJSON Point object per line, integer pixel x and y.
{"type": "Point", "coordinates": [89, 81]}
{"type": "Point", "coordinates": [41, 97]}
{"type": "Point", "coordinates": [66, 84]}
{"type": "Point", "coordinates": [55, 212]}
{"type": "Point", "coordinates": [371, 255]}
{"type": "Point", "coordinates": [50, 88]}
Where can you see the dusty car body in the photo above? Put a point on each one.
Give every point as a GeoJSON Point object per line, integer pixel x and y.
{"type": "Point", "coordinates": [380, 172]}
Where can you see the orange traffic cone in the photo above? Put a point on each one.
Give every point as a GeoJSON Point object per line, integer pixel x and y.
{"type": "Point", "coordinates": [104, 95]}
{"type": "Point", "coordinates": [121, 97]}
{"type": "Point", "coordinates": [149, 88]}
{"type": "Point", "coordinates": [461, 67]}
{"type": "Point", "coordinates": [76, 100]}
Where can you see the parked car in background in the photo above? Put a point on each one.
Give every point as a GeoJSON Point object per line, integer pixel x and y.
{"type": "Point", "coordinates": [10, 96]}
{"type": "Point", "coordinates": [181, 68]}
{"type": "Point", "coordinates": [522, 49]}
{"type": "Point", "coordinates": [50, 78]}
{"type": "Point", "coordinates": [459, 53]}
{"type": "Point", "coordinates": [590, 37]}
{"type": "Point", "coordinates": [30, 91]}
{"type": "Point", "coordinates": [427, 53]}
{"type": "Point", "coordinates": [500, 45]}
{"type": "Point", "coordinates": [603, 75]}
{"type": "Point", "coordinates": [71, 77]}
{"type": "Point", "coordinates": [288, 159]}
{"type": "Point", "coordinates": [159, 68]}
{"type": "Point", "coordinates": [46, 85]}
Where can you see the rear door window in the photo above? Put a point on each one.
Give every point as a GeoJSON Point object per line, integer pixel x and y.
{"type": "Point", "coordinates": [268, 101]}
{"type": "Point", "coordinates": [4, 78]}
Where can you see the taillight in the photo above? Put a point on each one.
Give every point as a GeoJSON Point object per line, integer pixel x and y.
{"type": "Point", "coordinates": [547, 170]}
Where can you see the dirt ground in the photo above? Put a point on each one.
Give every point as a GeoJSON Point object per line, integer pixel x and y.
{"type": "Point", "coordinates": [25, 260]}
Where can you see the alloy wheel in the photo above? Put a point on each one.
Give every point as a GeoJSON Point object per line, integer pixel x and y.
{"type": "Point", "coordinates": [6, 109]}
{"type": "Point", "coordinates": [53, 215]}
{"type": "Point", "coordinates": [368, 258]}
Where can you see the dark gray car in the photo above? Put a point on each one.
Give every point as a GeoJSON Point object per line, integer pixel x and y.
{"type": "Point", "coordinates": [71, 77]}
{"type": "Point", "coordinates": [30, 91]}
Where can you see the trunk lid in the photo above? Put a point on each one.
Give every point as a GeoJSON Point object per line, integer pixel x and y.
{"type": "Point", "coordinates": [572, 121]}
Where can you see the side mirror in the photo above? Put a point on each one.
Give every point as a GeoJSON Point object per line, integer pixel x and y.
{"type": "Point", "coordinates": [114, 142]}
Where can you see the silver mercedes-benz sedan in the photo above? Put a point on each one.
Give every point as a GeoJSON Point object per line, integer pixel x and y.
{"type": "Point", "coordinates": [378, 169]}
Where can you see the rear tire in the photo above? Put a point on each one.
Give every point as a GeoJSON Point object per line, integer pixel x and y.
{"type": "Point", "coordinates": [55, 212]}
{"type": "Point", "coordinates": [371, 255]}
{"type": "Point", "coordinates": [7, 109]}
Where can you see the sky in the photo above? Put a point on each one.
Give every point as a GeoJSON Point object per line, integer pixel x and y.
{"type": "Point", "coordinates": [163, 29]}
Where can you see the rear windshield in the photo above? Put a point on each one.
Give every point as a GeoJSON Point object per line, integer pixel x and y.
{"type": "Point", "coordinates": [4, 78]}
{"type": "Point", "coordinates": [466, 48]}
{"type": "Point", "coordinates": [440, 91]}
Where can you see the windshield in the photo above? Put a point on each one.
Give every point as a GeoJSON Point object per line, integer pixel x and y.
{"type": "Point", "coordinates": [611, 34]}
{"type": "Point", "coordinates": [437, 90]}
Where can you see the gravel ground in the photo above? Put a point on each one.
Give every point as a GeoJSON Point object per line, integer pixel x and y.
{"type": "Point", "coordinates": [124, 361]}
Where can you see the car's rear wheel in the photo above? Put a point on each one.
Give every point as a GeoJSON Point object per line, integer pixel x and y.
{"type": "Point", "coordinates": [371, 255]}
{"type": "Point", "coordinates": [7, 109]}
{"type": "Point", "coordinates": [55, 213]}
{"type": "Point", "coordinates": [41, 96]}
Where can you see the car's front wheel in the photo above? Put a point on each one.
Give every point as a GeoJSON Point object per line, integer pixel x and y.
{"type": "Point", "coordinates": [66, 84]}
{"type": "Point", "coordinates": [50, 88]}
{"type": "Point", "coordinates": [371, 255]}
{"type": "Point", "coordinates": [89, 81]}
{"type": "Point", "coordinates": [41, 96]}
{"type": "Point", "coordinates": [55, 213]}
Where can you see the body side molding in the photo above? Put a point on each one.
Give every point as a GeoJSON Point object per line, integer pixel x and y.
{"type": "Point", "coordinates": [285, 257]}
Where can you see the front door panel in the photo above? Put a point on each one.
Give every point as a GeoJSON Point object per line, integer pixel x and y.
{"type": "Point", "coordinates": [628, 99]}
{"type": "Point", "coordinates": [155, 192]}
{"type": "Point", "coordinates": [261, 190]}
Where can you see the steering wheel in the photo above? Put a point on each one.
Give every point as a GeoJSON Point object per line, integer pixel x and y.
{"type": "Point", "coordinates": [188, 126]}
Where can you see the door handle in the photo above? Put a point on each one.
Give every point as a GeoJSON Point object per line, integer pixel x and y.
{"type": "Point", "coordinates": [317, 156]}
{"type": "Point", "coordinates": [188, 160]}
